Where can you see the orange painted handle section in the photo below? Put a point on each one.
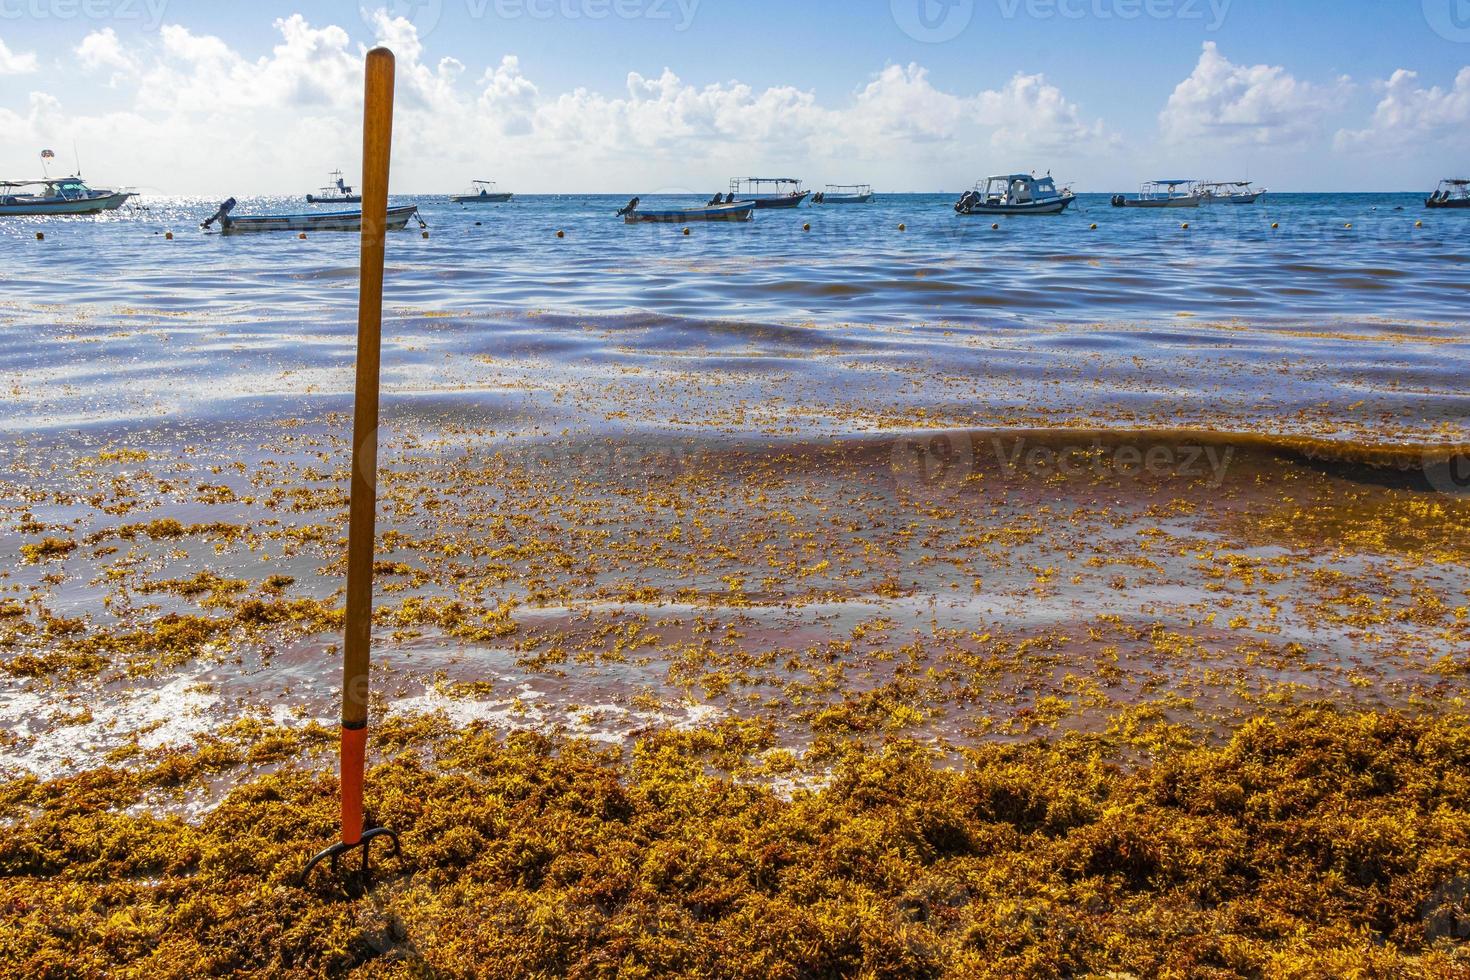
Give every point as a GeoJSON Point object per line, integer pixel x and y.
{"type": "Point", "coordinates": [354, 749]}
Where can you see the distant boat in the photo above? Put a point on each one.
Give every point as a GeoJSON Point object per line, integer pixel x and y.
{"type": "Point", "coordinates": [57, 195]}
{"type": "Point", "coordinates": [845, 194]}
{"type": "Point", "coordinates": [482, 192]}
{"type": "Point", "coordinates": [1015, 194]}
{"type": "Point", "coordinates": [634, 213]}
{"type": "Point", "coordinates": [1228, 192]}
{"type": "Point", "coordinates": [768, 192]}
{"type": "Point", "coordinates": [1452, 193]}
{"type": "Point", "coordinates": [335, 193]}
{"type": "Point", "coordinates": [230, 224]}
{"type": "Point", "coordinates": [1176, 193]}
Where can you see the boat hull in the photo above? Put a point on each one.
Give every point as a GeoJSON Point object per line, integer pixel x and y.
{"type": "Point", "coordinates": [313, 199]}
{"type": "Point", "coordinates": [775, 203]}
{"type": "Point", "coordinates": [481, 198]}
{"type": "Point", "coordinates": [848, 198]}
{"type": "Point", "coordinates": [95, 205]}
{"type": "Point", "coordinates": [338, 221]}
{"type": "Point", "coordinates": [1234, 198]}
{"type": "Point", "coordinates": [1453, 204]}
{"type": "Point", "coordinates": [739, 211]}
{"type": "Point", "coordinates": [1178, 202]}
{"type": "Point", "coordinates": [1036, 207]}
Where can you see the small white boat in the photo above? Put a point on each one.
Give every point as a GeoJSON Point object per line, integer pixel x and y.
{"type": "Point", "coordinates": [1015, 194]}
{"type": "Point", "coordinates": [1175, 193]}
{"type": "Point", "coordinates": [767, 192]}
{"type": "Point", "coordinates": [58, 195]}
{"type": "Point", "coordinates": [481, 192]}
{"type": "Point", "coordinates": [1228, 192]}
{"type": "Point", "coordinates": [229, 224]}
{"type": "Point", "coordinates": [845, 194]}
{"type": "Point", "coordinates": [336, 192]}
{"type": "Point", "coordinates": [633, 213]}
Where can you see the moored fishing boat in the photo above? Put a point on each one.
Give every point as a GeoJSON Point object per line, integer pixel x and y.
{"type": "Point", "coordinates": [231, 224]}
{"type": "Point", "coordinates": [768, 192]}
{"type": "Point", "coordinates": [336, 192]}
{"type": "Point", "coordinates": [57, 195]}
{"type": "Point", "coordinates": [633, 213]}
{"type": "Point", "coordinates": [481, 192]}
{"type": "Point", "coordinates": [1009, 194]}
{"type": "Point", "coordinates": [1228, 192]}
{"type": "Point", "coordinates": [845, 194]}
{"type": "Point", "coordinates": [1451, 193]}
{"type": "Point", "coordinates": [1175, 193]}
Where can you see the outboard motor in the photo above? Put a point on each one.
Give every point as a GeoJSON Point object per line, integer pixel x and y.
{"type": "Point", "coordinates": [1118, 200]}
{"type": "Point", "coordinates": [629, 208]}
{"type": "Point", "coordinates": [962, 206]}
{"type": "Point", "coordinates": [221, 214]}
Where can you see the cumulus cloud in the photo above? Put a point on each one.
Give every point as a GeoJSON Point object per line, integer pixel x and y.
{"type": "Point", "coordinates": [293, 113]}
{"type": "Point", "coordinates": [1409, 113]}
{"type": "Point", "coordinates": [1258, 104]}
{"type": "Point", "coordinates": [15, 62]}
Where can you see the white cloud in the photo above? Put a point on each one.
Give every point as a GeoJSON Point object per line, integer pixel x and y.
{"type": "Point", "coordinates": [1259, 104]}
{"type": "Point", "coordinates": [15, 62]}
{"type": "Point", "coordinates": [292, 114]}
{"type": "Point", "coordinates": [1410, 114]}
{"type": "Point", "coordinates": [102, 49]}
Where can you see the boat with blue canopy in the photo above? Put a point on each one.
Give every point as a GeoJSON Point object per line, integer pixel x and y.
{"type": "Point", "coordinates": [1176, 192]}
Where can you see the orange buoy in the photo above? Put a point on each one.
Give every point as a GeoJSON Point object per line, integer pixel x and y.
{"type": "Point", "coordinates": [425, 234]}
{"type": "Point", "coordinates": [40, 236]}
{"type": "Point", "coordinates": [168, 236]}
{"type": "Point", "coordinates": [686, 231]}
{"type": "Point", "coordinates": [302, 236]}
{"type": "Point", "coordinates": [903, 227]}
{"type": "Point", "coordinates": [561, 234]}
{"type": "Point", "coordinates": [1275, 225]}
{"type": "Point", "coordinates": [807, 226]}
{"type": "Point", "coordinates": [995, 227]}
{"type": "Point", "coordinates": [1094, 227]}
{"type": "Point", "coordinates": [1418, 224]}
{"type": "Point", "coordinates": [1185, 225]}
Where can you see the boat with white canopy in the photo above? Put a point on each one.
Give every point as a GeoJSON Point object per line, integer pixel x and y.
{"type": "Point", "coordinates": [1011, 194]}
{"type": "Point", "coordinates": [482, 192]}
{"type": "Point", "coordinates": [767, 192]}
{"type": "Point", "coordinates": [1229, 192]}
{"type": "Point", "coordinates": [1451, 193]}
{"type": "Point", "coordinates": [845, 194]}
{"type": "Point", "coordinates": [57, 195]}
{"type": "Point", "coordinates": [1173, 193]}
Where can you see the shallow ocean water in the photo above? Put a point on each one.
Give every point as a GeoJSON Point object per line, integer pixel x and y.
{"type": "Point", "coordinates": [106, 322]}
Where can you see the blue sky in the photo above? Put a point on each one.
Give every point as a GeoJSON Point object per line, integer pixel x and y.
{"type": "Point", "coordinates": [911, 94]}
